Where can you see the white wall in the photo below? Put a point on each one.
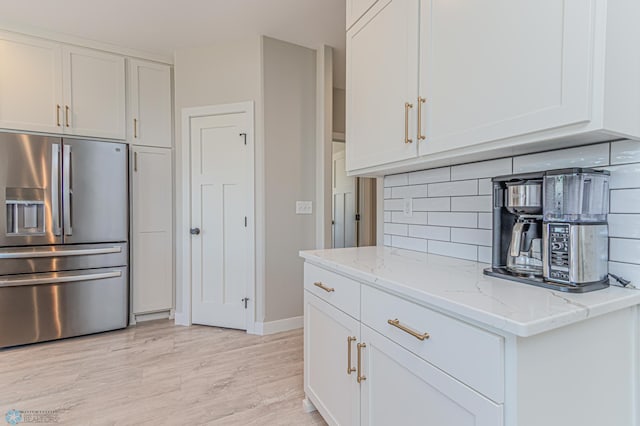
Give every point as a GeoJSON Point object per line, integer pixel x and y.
{"type": "Point", "coordinates": [289, 84]}
{"type": "Point", "coordinates": [218, 74]}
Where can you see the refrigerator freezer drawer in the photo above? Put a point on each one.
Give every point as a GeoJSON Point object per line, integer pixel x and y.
{"type": "Point", "coordinates": [41, 307]}
{"type": "Point", "coordinates": [31, 260]}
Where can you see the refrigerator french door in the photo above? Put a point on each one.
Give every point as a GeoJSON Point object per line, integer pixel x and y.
{"type": "Point", "coordinates": [63, 237]}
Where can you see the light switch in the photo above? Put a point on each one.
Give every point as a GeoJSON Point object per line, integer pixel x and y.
{"type": "Point", "coordinates": [304, 207]}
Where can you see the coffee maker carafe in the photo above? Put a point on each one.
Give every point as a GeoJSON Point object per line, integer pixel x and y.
{"type": "Point", "coordinates": [523, 199]}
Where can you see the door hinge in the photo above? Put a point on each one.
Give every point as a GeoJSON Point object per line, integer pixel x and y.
{"type": "Point", "coordinates": [357, 217]}
{"type": "Point", "coordinates": [245, 300]}
{"type": "Point", "coordinates": [245, 221]}
{"type": "Point", "coordinates": [245, 137]}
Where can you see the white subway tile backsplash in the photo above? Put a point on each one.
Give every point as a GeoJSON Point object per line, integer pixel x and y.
{"type": "Point", "coordinates": [625, 201]}
{"type": "Point", "coordinates": [396, 180]}
{"type": "Point", "coordinates": [624, 226]}
{"type": "Point", "coordinates": [627, 176]}
{"type": "Point", "coordinates": [478, 237]}
{"type": "Point", "coordinates": [624, 250]}
{"type": "Point", "coordinates": [450, 189]}
{"type": "Point", "coordinates": [583, 156]}
{"type": "Point", "coordinates": [623, 152]}
{"type": "Point", "coordinates": [485, 220]}
{"type": "Point", "coordinates": [414, 191]}
{"type": "Point", "coordinates": [460, 251]}
{"type": "Point", "coordinates": [462, 220]}
{"type": "Point", "coordinates": [430, 176]}
{"type": "Point", "coordinates": [430, 232]}
{"type": "Point", "coordinates": [416, 244]}
{"type": "Point", "coordinates": [394, 205]}
{"type": "Point", "coordinates": [479, 203]}
{"type": "Point", "coordinates": [438, 204]}
{"type": "Point", "coordinates": [485, 254]}
{"type": "Point", "coordinates": [452, 206]}
{"type": "Point", "coordinates": [417, 218]}
{"type": "Point", "coordinates": [396, 229]}
{"type": "Point", "coordinates": [484, 169]}
{"type": "Point", "coordinates": [485, 187]}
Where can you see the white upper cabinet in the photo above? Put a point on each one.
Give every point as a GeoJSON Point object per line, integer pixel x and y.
{"type": "Point", "coordinates": [497, 69]}
{"type": "Point", "coordinates": [149, 103]}
{"type": "Point", "coordinates": [382, 83]}
{"type": "Point", "coordinates": [493, 77]}
{"type": "Point", "coordinates": [52, 87]}
{"type": "Point", "coordinates": [30, 84]}
{"type": "Point", "coordinates": [357, 8]}
{"type": "Point", "coordinates": [94, 93]}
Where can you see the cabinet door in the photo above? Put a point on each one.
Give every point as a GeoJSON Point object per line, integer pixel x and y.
{"type": "Point", "coordinates": [151, 230]}
{"type": "Point", "coordinates": [402, 389]}
{"type": "Point", "coordinates": [30, 84]}
{"type": "Point", "coordinates": [382, 75]}
{"type": "Point", "coordinates": [94, 93]}
{"type": "Point", "coordinates": [497, 69]}
{"type": "Point", "coordinates": [149, 97]}
{"type": "Point", "coordinates": [334, 391]}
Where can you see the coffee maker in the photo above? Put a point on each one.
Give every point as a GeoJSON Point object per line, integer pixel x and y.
{"type": "Point", "coordinates": [550, 229]}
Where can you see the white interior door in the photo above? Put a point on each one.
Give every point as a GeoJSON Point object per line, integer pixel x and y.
{"type": "Point", "coordinates": [344, 204]}
{"type": "Point", "coordinates": [220, 197]}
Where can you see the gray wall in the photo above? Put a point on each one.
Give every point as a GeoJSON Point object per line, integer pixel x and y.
{"type": "Point", "coordinates": [339, 110]}
{"type": "Point", "coordinates": [289, 83]}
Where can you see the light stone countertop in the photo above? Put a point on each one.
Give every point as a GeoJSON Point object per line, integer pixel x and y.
{"type": "Point", "coordinates": [460, 288]}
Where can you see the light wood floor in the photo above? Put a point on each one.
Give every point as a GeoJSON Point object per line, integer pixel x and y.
{"type": "Point", "coordinates": [158, 374]}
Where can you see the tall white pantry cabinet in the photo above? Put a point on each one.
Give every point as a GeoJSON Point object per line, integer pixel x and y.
{"type": "Point", "coordinates": [150, 127]}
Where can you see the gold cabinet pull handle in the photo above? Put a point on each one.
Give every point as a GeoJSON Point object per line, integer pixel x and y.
{"type": "Point", "coordinates": [135, 161]}
{"type": "Point", "coordinates": [58, 115]}
{"type": "Point", "coordinates": [324, 287]}
{"type": "Point", "coordinates": [66, 115]}
{"type": "Point", "coordinates": [419, 336]}
{"type": "Point", "coordinates": [135, 128]}
{"type": "Point", "coordinates": [421, 100]}
{"type": "Point", "coordinates": [407, 107]}
{"type": "Point", "coordinates": [361, 377]}
{"type": "Point", "coordinates": [350, 369]}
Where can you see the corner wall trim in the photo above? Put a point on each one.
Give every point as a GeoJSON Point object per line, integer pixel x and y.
{"type": "Point", "coordinates": [278, 326]}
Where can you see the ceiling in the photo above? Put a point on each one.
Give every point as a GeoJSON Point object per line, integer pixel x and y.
{"type": "Point", "coordinates": [163, 26]}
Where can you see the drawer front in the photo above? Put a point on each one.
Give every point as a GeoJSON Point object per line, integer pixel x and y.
{"type": "Point", "coordinates": [470, 354]}
{"type": "Point", "coordinates": [339, 291]}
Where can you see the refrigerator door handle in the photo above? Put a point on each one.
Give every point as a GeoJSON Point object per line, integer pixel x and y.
{"type": "Point", "coordinates": [55, 189]}
{"type": "Point", "coordinates": [67, 191]}
{"type": "Point", "coordinates": [56, 278]}
{"type": "Point", "coordinates": [46, 252]}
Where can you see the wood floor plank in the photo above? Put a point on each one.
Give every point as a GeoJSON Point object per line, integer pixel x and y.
{"type": "Point", "coordinates": [158, 374]}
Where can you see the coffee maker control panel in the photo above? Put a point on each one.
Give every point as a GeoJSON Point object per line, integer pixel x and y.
{"type": "Point", "coordinates": [559, 252]}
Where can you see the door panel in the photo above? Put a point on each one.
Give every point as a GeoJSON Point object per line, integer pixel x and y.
{"type": "Point", "coordinates": [489, 72]}
{"type": "Point", "coordinates": [382, 64]}
{"type": "Point", "coordinates": [344, 204]}
{"type": "Point", "coordinates": [30, 84]}
{"type": "Point", "coordinates": [29, 207]}
{"type": "Point", "coordinates": [333, 391]}
{"type": "Point", "coordinates": [428, 396]}
{"type": "Point", "coordinates": [95, 210]}
{"type": "Point", "coordinates": [220, 201]}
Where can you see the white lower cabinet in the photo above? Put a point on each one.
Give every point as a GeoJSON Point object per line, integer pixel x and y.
{"type": "Point", "coordinates": [402, 389]}
{"type": "Point", "coordinates": [355, 375]}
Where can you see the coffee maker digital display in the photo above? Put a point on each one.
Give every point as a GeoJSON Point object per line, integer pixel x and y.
{"type": "Point", "coordinates": [550, 229]}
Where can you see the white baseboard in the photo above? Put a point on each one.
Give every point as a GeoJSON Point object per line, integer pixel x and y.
{"type": "Point", "coordinates": [181, 318]}
{"type": "Point", "coordinates": [272, 327]}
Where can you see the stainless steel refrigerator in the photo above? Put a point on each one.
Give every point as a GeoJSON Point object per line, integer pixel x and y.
{"type": "Point", "coordinates": [63, 237]}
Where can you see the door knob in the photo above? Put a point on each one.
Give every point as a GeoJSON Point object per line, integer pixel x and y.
{"type": "Point", "coordinates": [195, 231]}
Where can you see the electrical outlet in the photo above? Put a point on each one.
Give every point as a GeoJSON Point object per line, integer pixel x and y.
{"type": "Point", "coordinates": [407, 207]}
{"type": "Point", "coordinates": [304, 207]}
